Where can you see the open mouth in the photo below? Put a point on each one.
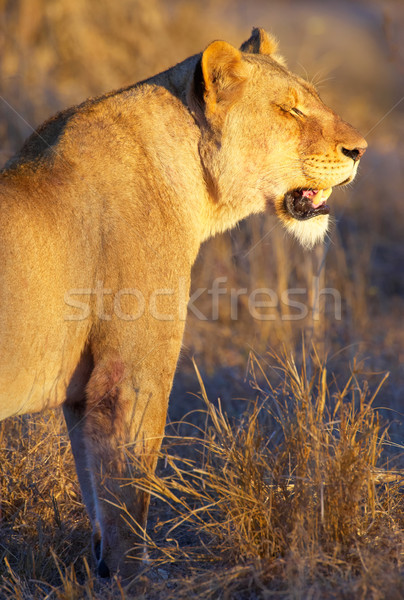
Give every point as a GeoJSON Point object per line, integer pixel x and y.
{"type": "Point", "coordinates": [305, 204]}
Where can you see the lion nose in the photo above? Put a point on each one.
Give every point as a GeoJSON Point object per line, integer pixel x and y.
{"type": "Point", "coordinates": [354, 153]}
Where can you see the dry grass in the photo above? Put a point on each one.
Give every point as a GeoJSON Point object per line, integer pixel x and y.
{"type": "Point", "coordinates": [290, 499]}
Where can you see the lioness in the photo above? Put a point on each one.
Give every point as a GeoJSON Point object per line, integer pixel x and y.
{"type": "Point", "coordinates": [102, 214]}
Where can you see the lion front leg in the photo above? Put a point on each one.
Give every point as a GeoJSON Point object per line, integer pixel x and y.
{"type": "Point", "coordinates": [125, 416]}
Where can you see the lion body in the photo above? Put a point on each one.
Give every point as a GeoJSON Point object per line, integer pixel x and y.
{"type": "Point", "coordinates": [96, 208]}
{"type": "Point", "coordinates": [102, 215]}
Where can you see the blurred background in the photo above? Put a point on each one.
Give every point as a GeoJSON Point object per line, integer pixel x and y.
{"type": "Point", "coordinates": [54, 53]}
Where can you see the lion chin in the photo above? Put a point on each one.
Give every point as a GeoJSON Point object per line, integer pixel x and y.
{"type": "Point", "coordinates": [308, 233]}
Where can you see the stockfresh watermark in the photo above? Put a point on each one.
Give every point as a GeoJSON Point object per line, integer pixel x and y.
{"type": "Point", "coordinates": [206, 304]}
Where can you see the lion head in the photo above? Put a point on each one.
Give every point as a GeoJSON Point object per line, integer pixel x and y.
{"type": "Point", "coordinates": [267, 138]}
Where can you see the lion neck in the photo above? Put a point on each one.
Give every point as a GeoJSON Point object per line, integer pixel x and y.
{"type": "Point", "coordinates": [228, 195]}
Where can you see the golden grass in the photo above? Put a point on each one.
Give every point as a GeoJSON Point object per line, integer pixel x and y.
{"type": "Point", "coordinates": [292, 500]}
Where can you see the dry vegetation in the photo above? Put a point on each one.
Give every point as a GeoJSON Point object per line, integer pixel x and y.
{"type": "Point", "coordinates": [294, 491]}
{"type": "Point", "coordinates": [288, 500]}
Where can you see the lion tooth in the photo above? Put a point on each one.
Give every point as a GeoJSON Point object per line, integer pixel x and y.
{"type": "Point", "coordinates": [320, 197]}
{"type": "Point", "coordinates": [327, 193]}
{"type": "Point", "coordinates": [317, 199]}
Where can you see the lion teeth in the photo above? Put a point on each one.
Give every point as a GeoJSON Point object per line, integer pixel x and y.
{"type": "Point", "coordinates": [327, 193]}
{"type": "Point", "coordinates": [320, 198]}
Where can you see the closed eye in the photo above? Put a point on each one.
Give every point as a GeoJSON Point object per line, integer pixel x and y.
{"type": "Point", "coordinates": [297, 112]}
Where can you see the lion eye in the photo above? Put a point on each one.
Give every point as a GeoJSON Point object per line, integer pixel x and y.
{"type": "Point", "coordinates": [297, 112]}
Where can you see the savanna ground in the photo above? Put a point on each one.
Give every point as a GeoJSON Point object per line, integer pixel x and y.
{"type": "Point", "coordinates": [280, 474]}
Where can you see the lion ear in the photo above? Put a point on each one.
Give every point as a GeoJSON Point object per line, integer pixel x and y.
{"type": "Point", "coordinates": [261, 42]}
{"type": "Point", "coordinates": [219, 79]}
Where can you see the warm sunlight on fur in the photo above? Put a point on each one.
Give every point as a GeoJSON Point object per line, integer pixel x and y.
{"type": "Point", "coordinates": [110, 201]}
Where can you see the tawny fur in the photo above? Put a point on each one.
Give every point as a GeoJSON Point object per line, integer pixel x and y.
{"type": "Point", "coordinates": [105, 208]}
